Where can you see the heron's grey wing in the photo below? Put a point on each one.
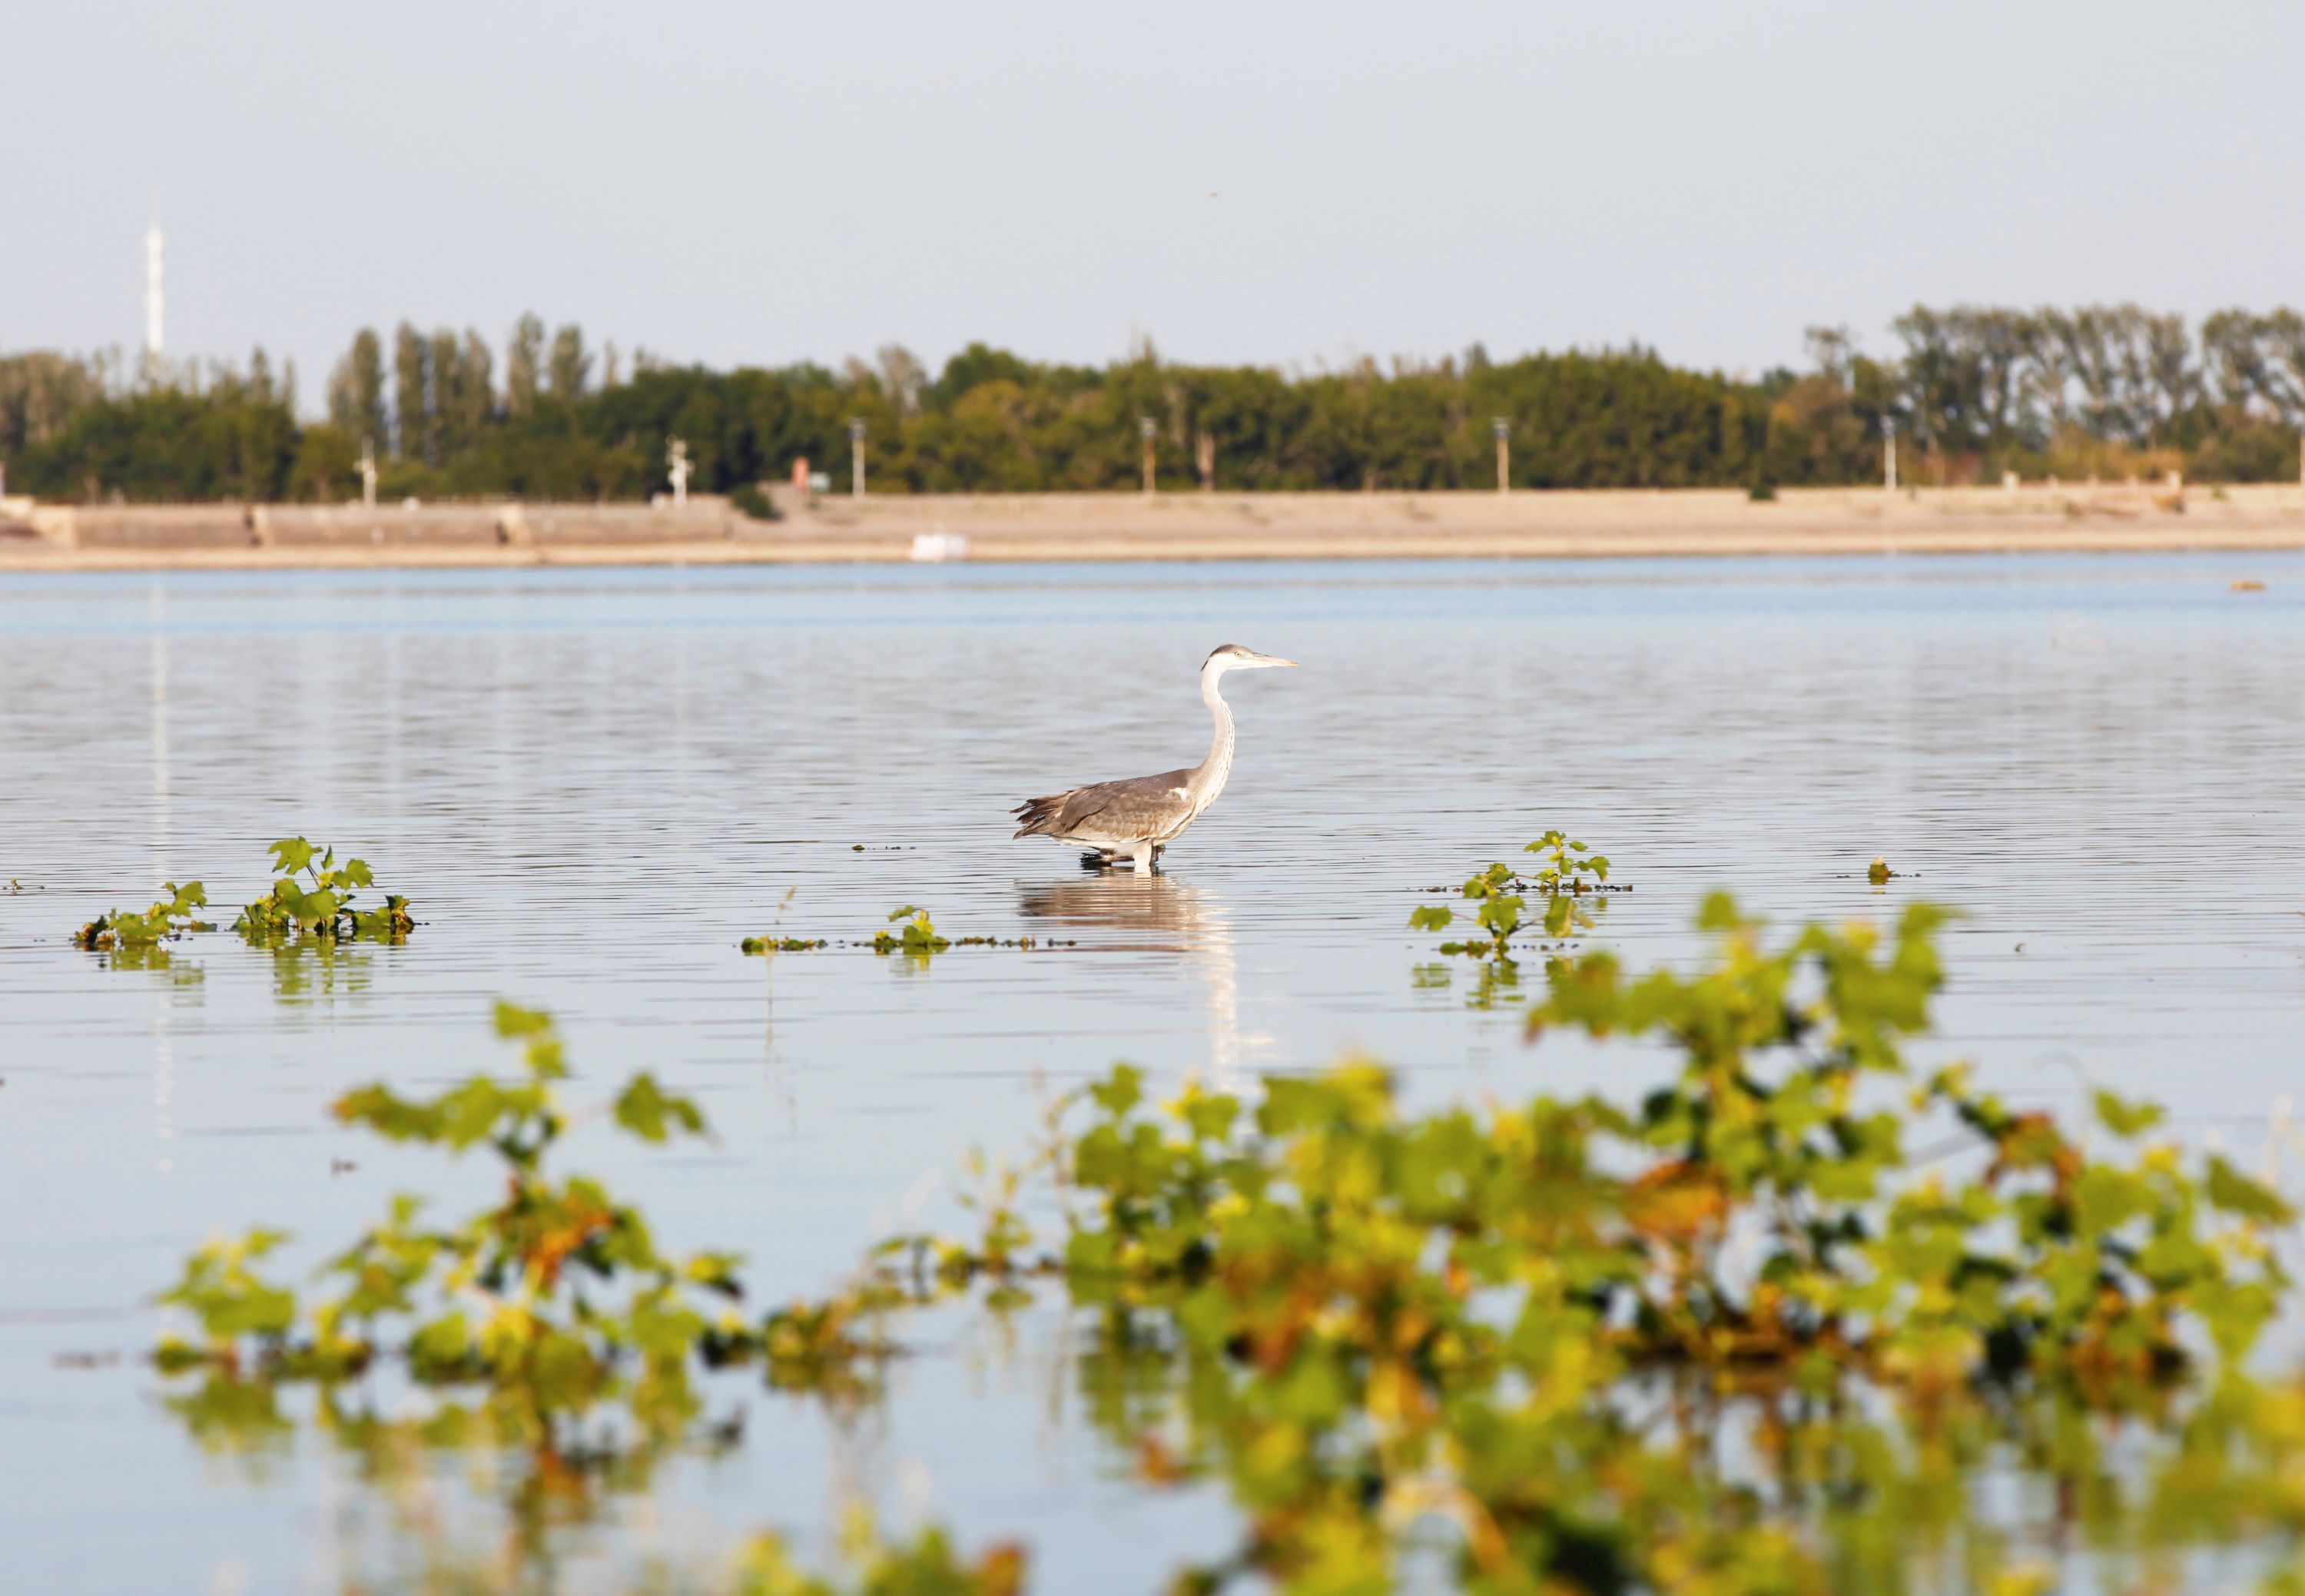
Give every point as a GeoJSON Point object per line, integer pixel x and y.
{"type": "Point", "coordinates": [1110, 811]}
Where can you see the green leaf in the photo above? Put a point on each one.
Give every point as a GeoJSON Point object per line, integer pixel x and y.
{"type": "Point", "coordinates": [2124, 1118]}
{"type": "Point", "coordinates": [2107, 1199]}
{"type": "Point", "coordinates": [1431, 917]}
{"type": "Point", "coordinates": [513, 1021]}
{"type": "Point", "coordinates": [716, 1271]}
{"type": "Point", "coordinates": [2236, 1193]}
{"type": "Point", "coordinates": [1501, 915]}
{"type": "Point", "coordinates": [653, 1115]}
{"type": "Point", "coordinates": [1120, 1091]}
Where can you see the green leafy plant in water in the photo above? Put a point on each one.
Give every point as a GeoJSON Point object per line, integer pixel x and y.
{"type": "Point", "coordinates": [1002, 1256]}
{"type": "Point", "coordinates": [2048, 1259]}
{"type": "Point", "coordinates": [581, 1335]}
{"type": "Point", "coordinates": [313, 897]}
{"type": "Point", "coordinates": [553, 1300]}
{"type": "Point", "coordinates": [562, 1288]}
{"type": "Point", "coordinates": [236, 1308]}
{"type": "Point", "coordinates": [172, 918]}
{"type": "Point", "coordinates": [1567, 866]}
{"type": "Point", "coordinates": [1364, 1319]}
{"type": "Point", "coordinates": [1729, 1339]}
{"type": "Point", "coordinates": [916, 936]}
{"type": "Point", "coordinates": [1567, 884]}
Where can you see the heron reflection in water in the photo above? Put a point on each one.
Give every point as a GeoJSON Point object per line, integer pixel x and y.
{"type": "Point", "coordinates": [1158, 914]}
{"type": "Point", "coordinates": [1138, 818]}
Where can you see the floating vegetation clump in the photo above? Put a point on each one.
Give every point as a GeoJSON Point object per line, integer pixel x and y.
{"type": "Point", "coordinates": [171, 918]}
{"type": "Point", "coordinates": [782, 944]}
{"type": "Point", "coordinates": [314, 898]}
{"type": "Point", "coordinates": [1569, 881]}
{"type": "Point", "coordinates": [916, 934]}
{"type": "Point", "coordinates": [771, 943]}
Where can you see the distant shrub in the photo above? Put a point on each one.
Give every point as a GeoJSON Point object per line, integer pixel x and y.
{"type": "Point", "coordinates": [754, 503]}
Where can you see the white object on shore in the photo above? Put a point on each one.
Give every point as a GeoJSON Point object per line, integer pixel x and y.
{"type": "Point", "coordinates": [939, 545]}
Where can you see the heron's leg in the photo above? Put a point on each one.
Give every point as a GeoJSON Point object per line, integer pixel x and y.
{"type": "Point", "coordinates": [1143, 856]}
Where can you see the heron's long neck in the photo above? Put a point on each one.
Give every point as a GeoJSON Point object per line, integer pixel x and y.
{"type": "Point", "coordinates": [1208, 777]}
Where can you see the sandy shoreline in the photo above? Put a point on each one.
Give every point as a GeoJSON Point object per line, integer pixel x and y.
{"type": "Point", "coordinates": [1180, 526]}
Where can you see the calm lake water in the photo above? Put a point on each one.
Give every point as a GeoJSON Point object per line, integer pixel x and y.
{"type": "Point", "coordinates": [593, 783]}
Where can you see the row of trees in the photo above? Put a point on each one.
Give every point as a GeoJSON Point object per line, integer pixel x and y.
{"type": "Point", "coordinates": [1988, 381]}
{"type": "Point", "coordinates": [2101, 390]}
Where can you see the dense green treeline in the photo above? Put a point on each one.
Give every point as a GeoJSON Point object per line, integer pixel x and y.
{"type": "Point", "coordinates": [1976, 391]}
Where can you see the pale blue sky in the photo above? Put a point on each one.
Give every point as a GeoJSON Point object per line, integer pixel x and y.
{"type": "Point", "coordinates": [755, 182]}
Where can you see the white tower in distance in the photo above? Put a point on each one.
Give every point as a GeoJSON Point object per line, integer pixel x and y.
{"type": "Point", "coordinates": [152, 301]}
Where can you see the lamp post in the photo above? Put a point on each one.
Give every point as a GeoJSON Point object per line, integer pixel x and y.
{"type": "Point", "coordinates": [367, 474]}
{"type": "Point", "coordinates": [856, 457]}
{"type": "Point", "coordinates": [1501, 430]}
{"type": "Point", "coordinates": [1889, 452]}
{"type": "Point", "coordinates": [1146, 429]}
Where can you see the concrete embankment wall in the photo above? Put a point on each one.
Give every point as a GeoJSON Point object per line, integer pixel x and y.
{"type": "Point", "coordinates": [1606, 521]}
{"type": "Point", "coordinates": [163, 529]}
{"type": "Point", "coordinates": [1187, 526]}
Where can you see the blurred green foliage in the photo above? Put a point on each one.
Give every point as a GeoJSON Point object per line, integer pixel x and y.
{"type": "Point", "coordinates": [1737, 1338]}
{"type": "Point", "coordinates": [1800, 1318]}
{"type": "Point", "coordinates": [554, 1301]}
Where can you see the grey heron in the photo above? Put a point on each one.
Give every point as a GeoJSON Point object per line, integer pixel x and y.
{"type": "Point", "coordinates": [1138, 818]}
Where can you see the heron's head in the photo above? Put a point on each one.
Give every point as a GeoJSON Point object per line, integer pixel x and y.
{"type": "Point", "coordinates": [1233, 656]}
